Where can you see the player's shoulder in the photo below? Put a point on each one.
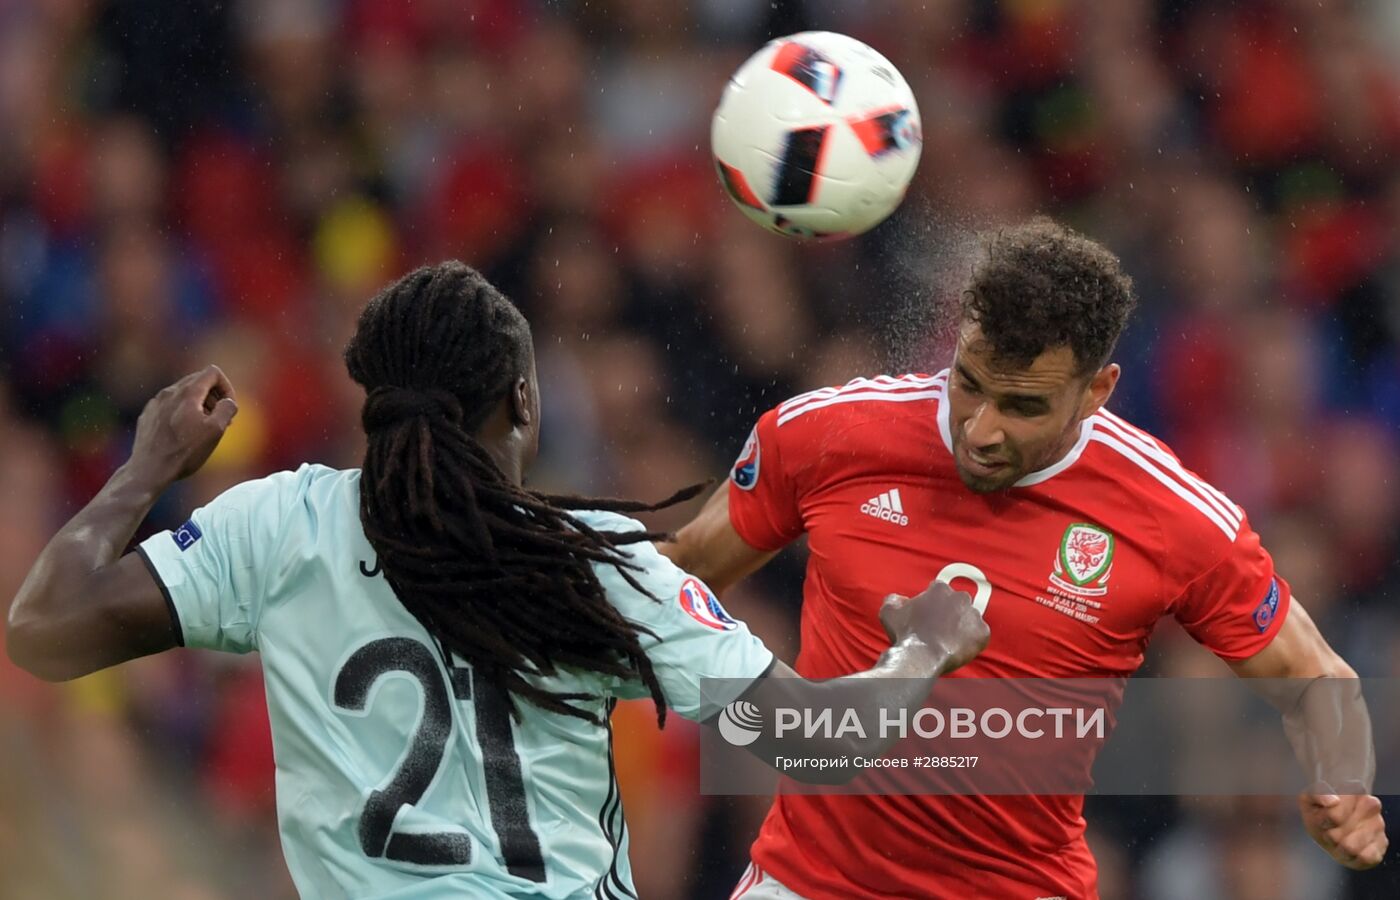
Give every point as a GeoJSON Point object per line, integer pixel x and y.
{"type": "Point", "coordinates": [1186, 506]}
{"type": "Point", "coordinates": [310, 491]}
{"type": "Point", "coordinates": [885, 422]}
{"type": "Point", "coordinates": [283, 486]}
{"type": "Point", "coordinates": [316, 481]}
{"type": "Point", "coordinates": [603, 520]}
{"type": "Point", "coordinates": [646, 564]}
{"type": "Point", "coordinates": [888, 399]}
{"type": "Point", "coordinates": [642, 553]}
{"type": "Point", "coordinates": [308, 483]}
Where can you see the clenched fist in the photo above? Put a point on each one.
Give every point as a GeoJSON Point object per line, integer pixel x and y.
{"type": "Point", "coordinates": [1348, 826]}
{"type": "Point", "coordinates": [182, 425]}
{"type": "Point", "coordinates": [940, 617]}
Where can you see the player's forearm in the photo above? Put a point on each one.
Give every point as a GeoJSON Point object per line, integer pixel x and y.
{"type": "Point", "coordinates": [1329, 726]}
{"type": "Point", "coordinates": [710, 549]}
{"type": "Point", "coordinates": [900, 681]}
{"type": "Point", "coordinates": [1319, 696]}
{"type": "Point", "coordinates": [61, 582]}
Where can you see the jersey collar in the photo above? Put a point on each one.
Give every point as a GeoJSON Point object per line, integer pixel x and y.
{"type": "Point", "coordinates": [1086, 428]}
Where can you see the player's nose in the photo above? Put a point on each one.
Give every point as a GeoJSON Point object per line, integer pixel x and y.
{"type": "Point", "coordinates": [983, 429]}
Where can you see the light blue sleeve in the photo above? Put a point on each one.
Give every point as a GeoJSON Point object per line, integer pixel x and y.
{"type": "Point", "coordinates": [214, 568]}
{"type": "Point", "coordinates": [692, 637]}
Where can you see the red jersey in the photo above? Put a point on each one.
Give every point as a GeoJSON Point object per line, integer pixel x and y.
{"type": "Point", "coordinates": [1072, 567]}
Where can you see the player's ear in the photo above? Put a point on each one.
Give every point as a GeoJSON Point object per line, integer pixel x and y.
{"type": "Point", "coordinates": [1101, 385]}
{"type": "Point", "coordinates": [523, 403]}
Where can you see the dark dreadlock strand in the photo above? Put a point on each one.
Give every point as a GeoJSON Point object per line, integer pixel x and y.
{"type": "Point", "coordinates": [501, 576]}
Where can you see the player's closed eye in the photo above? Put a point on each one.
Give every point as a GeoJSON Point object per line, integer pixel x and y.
{"type": "Point", "coordinates": [1026, 410]}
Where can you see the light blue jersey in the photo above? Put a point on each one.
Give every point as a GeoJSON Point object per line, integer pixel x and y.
{"type": "Point", "coordinates": [398, 775]}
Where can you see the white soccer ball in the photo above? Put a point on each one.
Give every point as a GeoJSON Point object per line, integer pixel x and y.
{"type": "Point", "coordinates": [816, 136]}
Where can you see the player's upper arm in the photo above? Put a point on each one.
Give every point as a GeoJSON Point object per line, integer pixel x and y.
{"type": "Point", "coordinates": [758, 511]}
{"type": "Point", "coordinates": [709, 547]}
{"type": "Point", "coordinates": [215, 568]}
{"type": "Point", "coordinates": [1298, 650]}
{"type": "Point", "coordinates": [1236, 606]}
{"type": "Point", "coordinates": [119, 615]}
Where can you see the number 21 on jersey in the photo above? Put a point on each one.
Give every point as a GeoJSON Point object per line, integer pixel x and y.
{"type": "Point", "coordinates": [505, 787]}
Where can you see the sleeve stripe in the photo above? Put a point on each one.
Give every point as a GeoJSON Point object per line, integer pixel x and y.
{"type": "Point", "coordinates": [1131, 428]}
{"type": "Point", "coordinates": [1202, 483]}
{"type": "Point", "coordinates": [1219, 501]}
{"type": "Point", "coordinates": [885, 395]}
{"type": "Point", "coordinates": [878, 383]}
{"type": "Point", "coordinates": [1175, 487]}
{"type": "Point", "coordinates": [164, 592]}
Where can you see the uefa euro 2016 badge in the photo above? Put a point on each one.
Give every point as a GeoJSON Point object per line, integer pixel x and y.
{"type": "Point", "coordinates": [1268, 607]}
{"type": "Point", "coordinates": [1084, 560]}
{"type": "Point", "coordinates": [745, 471]}
{"type": "Point", "coordinates": [186, 535]}
{"type": "Point", "coordinates": [702, 606]}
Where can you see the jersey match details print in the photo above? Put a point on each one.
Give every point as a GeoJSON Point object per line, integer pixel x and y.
{"type": "Point", "coordinates": [1079, 580]}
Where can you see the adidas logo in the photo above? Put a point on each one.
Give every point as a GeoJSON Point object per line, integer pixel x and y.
{"type": "Point", "coordinates": [886, 507]}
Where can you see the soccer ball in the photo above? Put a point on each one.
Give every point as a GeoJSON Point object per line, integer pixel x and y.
{"type": "Point", "coordinates": [816, 136]}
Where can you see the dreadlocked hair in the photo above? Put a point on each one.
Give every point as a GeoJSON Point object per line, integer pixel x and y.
{"type": "Point", "coordinates": [501, 576]}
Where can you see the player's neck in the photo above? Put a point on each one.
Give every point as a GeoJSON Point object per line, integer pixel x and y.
{"type": "Point", "coordinates": [508, 462]}
{"type": "Point", "coordinates": [1065, 447]}
{"type": "Point", "coordinates": [504, 443]}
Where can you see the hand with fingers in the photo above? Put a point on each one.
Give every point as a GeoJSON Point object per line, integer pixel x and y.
{"type": "Point", "coordinates": [1349, 827]}
{"type": "Point", "coordinates": [941, 618]}
{"type": "Point", "coordinates": [182, 425]}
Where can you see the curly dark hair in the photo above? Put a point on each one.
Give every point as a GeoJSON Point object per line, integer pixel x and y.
{"type": "Point", "coordinates": [500, 575]}
{"type": "Point", "coordinates": [1040, 285]}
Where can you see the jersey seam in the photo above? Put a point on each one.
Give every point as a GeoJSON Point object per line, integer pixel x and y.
{"type": "Point", "coordinates": [1215, 564]}
{"type": "Point", "coordinates": [761, 546]}
{"type": "Point", "coordinates": [1192, 583]}
{"type": "Point", "coordinates": [1162, 542]}
{"type": "Point", "coordinates": [283, 519]}
{"type": "Point", "coordinates": [790, 479]}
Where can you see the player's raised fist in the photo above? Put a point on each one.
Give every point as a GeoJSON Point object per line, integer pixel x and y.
{"type": "Point", "coordinates": [1349, 827]}
{"type": "Point", "coordinates": [943, 619]}
{"type": "Point", "coordinates": [182, 425]}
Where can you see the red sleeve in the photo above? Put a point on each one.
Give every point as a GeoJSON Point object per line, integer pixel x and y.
{"type": "Point", "coordinates": [1235, 607]}
{"type": "Point", "coordinates": [763, 498]}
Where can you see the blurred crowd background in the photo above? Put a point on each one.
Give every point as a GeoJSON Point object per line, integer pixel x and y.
{"type": "Point", "coordinates": [187, 182]}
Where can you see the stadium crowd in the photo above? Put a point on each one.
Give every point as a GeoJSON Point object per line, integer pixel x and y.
{"type": "Point", "coordinates": [186, 183]}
